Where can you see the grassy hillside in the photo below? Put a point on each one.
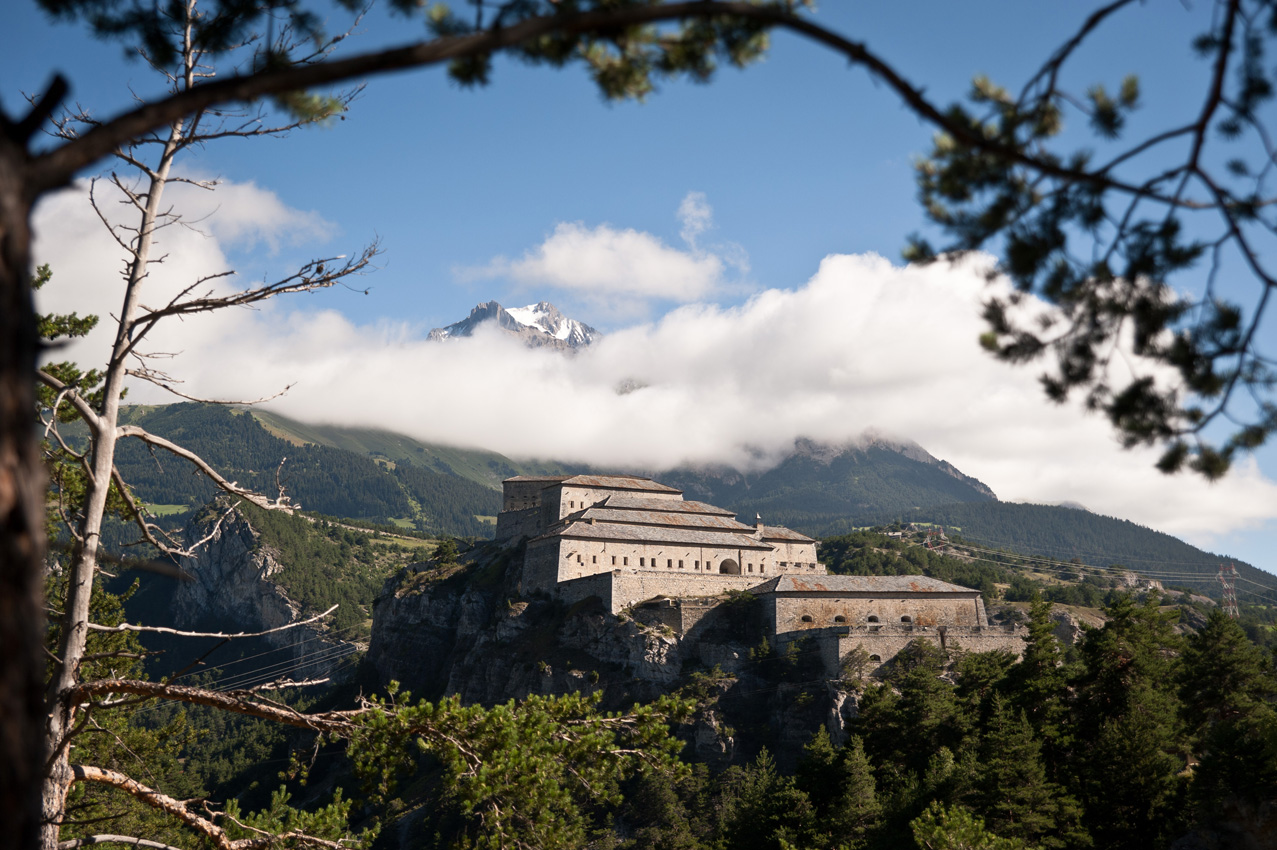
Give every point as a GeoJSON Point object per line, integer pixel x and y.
{"type": "Point", "coordinates": [481, 467]}
{"type": "Point", "coordinates": [321, 478]}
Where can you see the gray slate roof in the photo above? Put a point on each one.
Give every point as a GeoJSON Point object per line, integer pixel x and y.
{"type": "Point", "coordinates": [628, 501]}
{"type": "Point", "coordinates": [706, 522]}
{"type": "Point", "coordinates": [860, 584]}
{"type": "Point", "coordinates": [623, 533]}
{"type": "Point", "coordinates": [779, 532]}
{"type": "Point", "coordinates": [612, 482]}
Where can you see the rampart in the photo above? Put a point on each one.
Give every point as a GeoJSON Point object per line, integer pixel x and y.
{"type": "Point", "coordinates": [883, 643]}
{"type": "Point", "coordinates": [620, 589]}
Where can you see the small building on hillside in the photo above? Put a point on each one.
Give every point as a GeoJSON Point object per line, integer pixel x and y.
{"type": "Point", "coordinates": [628, 540]}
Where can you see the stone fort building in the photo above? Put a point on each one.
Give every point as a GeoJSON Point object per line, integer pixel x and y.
{"type": "Point", "coordinates": [635, 543]}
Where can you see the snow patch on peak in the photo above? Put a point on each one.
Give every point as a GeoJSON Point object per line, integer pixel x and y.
{"type": "Point", "coordinates": [538, 324]}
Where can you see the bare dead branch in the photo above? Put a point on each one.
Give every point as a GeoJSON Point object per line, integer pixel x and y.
{"type": "Point", "coordinates": [229, 486]}
{"type": "Point", "coordinates": [81, 406]}
{"type": "Point", "coordinates": [165, 382]}
{"type": "Point", "coordinates": [126, 840]}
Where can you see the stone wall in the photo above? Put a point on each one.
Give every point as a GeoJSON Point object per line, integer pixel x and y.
{"type": "Point", "coordinates": [571, 498]}
{"type": "Point", "coordinates": [620, 589]}
{"type": "Point", "coordinates": [799, 613]}
{"type": "Point", "coordinates": [681, 615]}
{"type": "Point", "coordinates": [794, 553]}
{"type": "Point", "coordinates": [883, 643]}
{"type": "Point", "coordinates": [541, 566]}
{"type": "Point", "coordinates": [889, 640]}
{"type": "Point", "coordinates": [576, 558]}
{"type": "Point", "coordinates": [522, 495]}
{"type": "Point", "coordinates": [512, 526]}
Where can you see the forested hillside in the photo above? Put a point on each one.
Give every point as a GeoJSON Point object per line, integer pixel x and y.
{"type": "Point", "coordinates": [320, 478]}
{"type": "Point", "coordinates": [819, 486]}
{"type": "Point", "coordinates": [1068, 534]}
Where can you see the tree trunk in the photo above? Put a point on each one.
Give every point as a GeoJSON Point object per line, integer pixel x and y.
{"type": "Point", "coordinates": [22, 481]}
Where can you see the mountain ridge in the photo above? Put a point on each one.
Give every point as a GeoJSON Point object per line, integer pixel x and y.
{"type": "Point", "coordinates": [819, 489]}
{"type": "Point", "coordinates": [539, 325]}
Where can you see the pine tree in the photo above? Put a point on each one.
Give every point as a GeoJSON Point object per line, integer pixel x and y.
{"type": "Point", "coordinates": [1229, 692]}
{"type": "Point", "coordinates": [1130, 747]}
{"type": "Point", "coordinates": [1014, 793]}
{"type": "Point", "coordinates": [763, 809]}
{"type": "Point", "coordinates": [855, 809]}
{"type": "Point", "coordinates": [1038, 685]}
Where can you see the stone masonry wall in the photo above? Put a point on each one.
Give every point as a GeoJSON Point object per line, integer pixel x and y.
{"type": "Point", "coordinates": [514, 525]}
{"type": "Point", "coordinates": [620, 589]}
{"type": "Point", "coordinates": [787, 613]}
{"type": "Point", "coordinates": [883, 643]}
{"type": "Point", "coordinates": [578, 557]}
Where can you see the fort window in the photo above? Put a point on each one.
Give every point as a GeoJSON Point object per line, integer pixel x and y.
{"type": "Point", "coordinates": [698, 564]}
{"type": "Point", "coordinates": [840, 619]}
{"type": "Point", "coordinates": [680, 563]}
{"type": "Point", "coordinates": [669, 563]}
{"type": "Point", "coordinates": [626, 559]}
{"type": "Point", "coordinates": [729, 567]}
{"type": "Point", "coordinates": [807, 618]}
{"type": "Point", "coordinates": [642, 562]}
{"type": "Point", "coordinates": [751, 568]}
{"type": "Point", "coordinates": [906, 619]}
{"type": "Point", "coordinates": [594, 559]}
{"type": "Point", "coordinates": [614, 560]}
{"type": "Point", "coordinates": [873, 618]}
{"type": "Point", "coordinates": [875, 658]}
{"type": "Point", "coordinates": [783, 564]}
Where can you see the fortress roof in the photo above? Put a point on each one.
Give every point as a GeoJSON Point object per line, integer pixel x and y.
{"type": "Point", "coordinates": [626, 501]}
{"type": "Point", "coordinates": [860, 584]}
{"type": "Point", "coordinates": [632, 533]}
{"type": "Point", "coordinates": [605, 482]}
{"type": "Point", "coordinates": [777, 532]}
{"type": "Point", "coordinates": [706, 522]}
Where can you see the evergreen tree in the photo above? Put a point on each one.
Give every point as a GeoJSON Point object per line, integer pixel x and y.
{"type": "Point", "coordinates": [763, 809]}
{"type": "Point", "coordinates": [956, 828]}
{"type": "Point", "coordinates": [856, 808]}
{"type": "Point", "coordinates": [840, 784]}
{"type": "Point", "coordinates": [1014, 793]}
{"type": "Point", "coordinates": [1229, 692]}
{"type": "Point", "coordinates": [1129, 750]}
{"type": "Point", "coordinates": [1038, 685]}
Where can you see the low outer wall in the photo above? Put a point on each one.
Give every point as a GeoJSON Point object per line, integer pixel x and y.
{"type": "Point", "coordinates": [882, 645]}
{"type": "Point", "coordinates": [619, 589]}
{"type": "Point", "coordinates": [785, 612]}
{"type": "Point", "coordinates": [513, 525]}
{"type": "Point", "coordinates": [889, 640]}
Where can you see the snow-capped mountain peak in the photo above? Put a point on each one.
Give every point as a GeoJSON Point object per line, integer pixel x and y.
{"type": "Point", "coordinates": [539, 324]}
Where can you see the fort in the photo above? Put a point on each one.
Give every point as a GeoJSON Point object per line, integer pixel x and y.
{"type": "Point", "coordinates": [636, 544]}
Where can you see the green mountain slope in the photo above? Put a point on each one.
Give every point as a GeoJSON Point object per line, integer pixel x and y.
{"type": "Point", "coordinates": [481, 467]}
{"type": "Point", "coordinates": [321, 478]}
{"type": "Point", "coordinates": [819, 486]}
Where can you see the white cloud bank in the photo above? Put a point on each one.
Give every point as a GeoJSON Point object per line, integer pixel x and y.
{"type": "Point", "coordinates": [863, 344]}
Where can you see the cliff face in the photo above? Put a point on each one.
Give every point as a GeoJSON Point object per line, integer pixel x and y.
{"type": "Point", "coordinates": [231, 589]}
{"type": "Point", "coordinates": [469, 635]}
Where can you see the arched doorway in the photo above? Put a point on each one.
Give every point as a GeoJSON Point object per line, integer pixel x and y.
{"type": "Point", "coordinates": [729, 567]}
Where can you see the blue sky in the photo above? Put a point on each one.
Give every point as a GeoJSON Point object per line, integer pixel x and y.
{"type": "Point", "coordinates": [790, 162]}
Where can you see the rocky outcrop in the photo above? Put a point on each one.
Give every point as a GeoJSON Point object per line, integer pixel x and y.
{"type": "Point", "coordinates": [230, 587]}
{"type": "Point", "coordinates": [466, 632]}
